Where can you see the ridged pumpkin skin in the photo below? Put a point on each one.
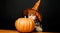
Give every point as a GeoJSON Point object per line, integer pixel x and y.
{"type": "Point", "coordinates": [24, 25]}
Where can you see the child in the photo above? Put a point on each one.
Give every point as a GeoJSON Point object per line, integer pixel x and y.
{"type": "Point", "coordinates": [34, 14]}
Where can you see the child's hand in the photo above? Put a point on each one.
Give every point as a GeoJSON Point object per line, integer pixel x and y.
{"type": "Point", "coordinates": [38, 28]}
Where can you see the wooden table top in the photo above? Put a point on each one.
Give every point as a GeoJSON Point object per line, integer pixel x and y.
{"type": "Point", "coordinates": [14, 31]}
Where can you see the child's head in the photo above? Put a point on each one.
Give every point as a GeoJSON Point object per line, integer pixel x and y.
{"type": "Point", "coordinates": [32, 16]}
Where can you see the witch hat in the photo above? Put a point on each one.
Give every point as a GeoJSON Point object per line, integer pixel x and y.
{"type": "Point", "coordinates": [36, 6]}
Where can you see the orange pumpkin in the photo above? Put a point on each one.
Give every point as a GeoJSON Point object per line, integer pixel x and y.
{"type": "Point", "coordinates": [24, 24]}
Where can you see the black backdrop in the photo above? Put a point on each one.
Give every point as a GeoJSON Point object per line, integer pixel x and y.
{"type": "Point", "coordinates": [12, 9]}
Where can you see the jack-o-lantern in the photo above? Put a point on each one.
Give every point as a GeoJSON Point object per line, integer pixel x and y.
{"type": "Point", "coordinates": [24, 24]}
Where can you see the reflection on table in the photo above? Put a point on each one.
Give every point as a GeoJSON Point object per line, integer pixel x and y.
{"type": "Point", "coordinates": [14, 31]}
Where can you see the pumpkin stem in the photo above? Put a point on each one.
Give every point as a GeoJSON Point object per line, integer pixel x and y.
{"type": "Point", "coordinates": [24, 16]}
{"type": "Point", "coordinates": [35, 7]}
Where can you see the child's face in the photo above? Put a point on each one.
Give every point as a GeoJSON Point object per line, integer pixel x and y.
{"type": "Point", "coordinates": [32, 16]}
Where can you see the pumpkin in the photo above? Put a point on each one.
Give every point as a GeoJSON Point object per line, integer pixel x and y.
{"type": "Point", "coordinates": [24, 25]}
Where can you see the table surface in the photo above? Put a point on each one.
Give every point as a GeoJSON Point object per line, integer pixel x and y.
{"type": "Point", "coordinates": [14, 31]}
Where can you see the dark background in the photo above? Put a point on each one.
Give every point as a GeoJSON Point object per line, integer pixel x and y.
{"type": "Point", "coordinates": [12, 9]}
